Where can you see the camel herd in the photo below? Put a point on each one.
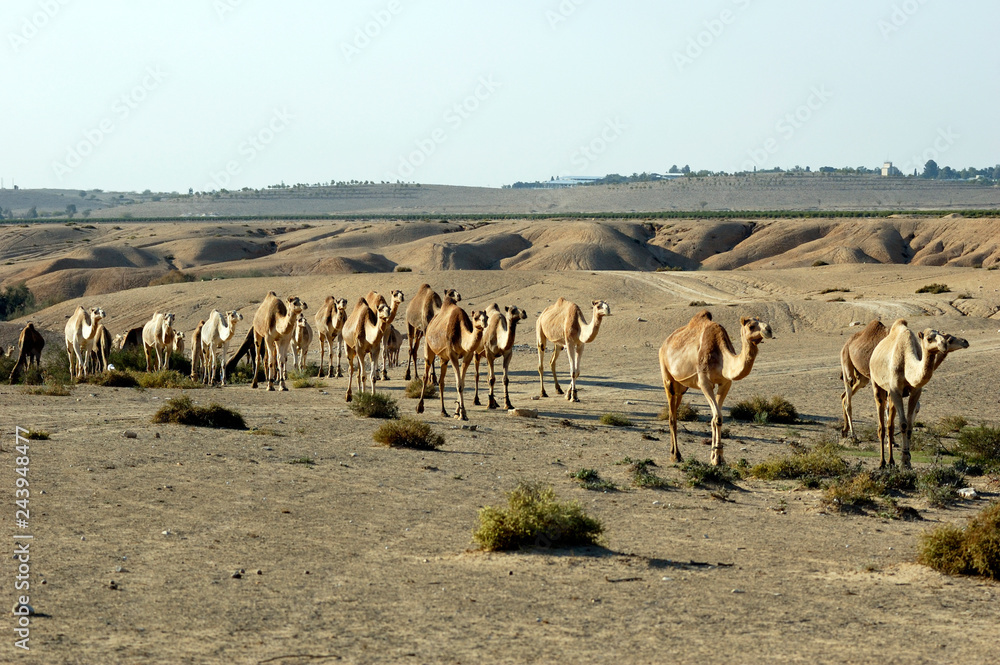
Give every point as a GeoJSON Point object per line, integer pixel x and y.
{"type": "Point", "coordinates": [896, 361]}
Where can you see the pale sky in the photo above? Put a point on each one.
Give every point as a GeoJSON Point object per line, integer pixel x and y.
{"type": "Point", "coordinates": [167, 95]}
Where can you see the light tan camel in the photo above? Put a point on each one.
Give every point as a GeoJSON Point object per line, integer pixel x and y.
{"type": "Point", "coordinates": [562, 323]}
{"type": "Point", "coordinates": [300, 342]}
{"type": "Point", "coordinates": [100, 350]}
{"type": "Point", "coordinates": [421, 310]}
{"type": "Point", "coordinates": [362, 333]}
{"type": "Point", "coordinates": [80, 331]}
{"type": "Point", "coordinates": [197, 352]}
{"type": "Point", "coordinates": [453, 336]}
{"type": "Point", "coordinates": [10, 351]}
{"type": "Point", "coordinates": [902, 361]}
{"type": "Point", "coordinates": [374, 299]}
{"type": "Point", "coordinates": [178, 347]}
{"type": "Point", "coordinates": [219, 328]}
{"type": "Point", "coordinates": [329, 324]}
{"type": "Point", "coordinates": [131, 339]}
{"type": "Point", "coordinates": [701, 355]}
{"type": "Point", "coordinates": [498, 340]}
{"type": "Point", "coordinates": [30, 345]}
{"type": "Point", "coordinates": [158, 336]}
{"type": "Point", "coordinates": [273, 327]}
{"type": "Point", "coordinates": [393, 341]}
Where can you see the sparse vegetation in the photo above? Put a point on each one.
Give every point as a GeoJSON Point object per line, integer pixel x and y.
{"type": "Point", "coordinates": [374, 405]}
{"type": "Point", "coordinates": [765, 411]}
{"type": "Point", "coordinates": [834, 290]}
{"type": "Point", "coordinates": [823, 461]}
{"type": "Point", "coordinates": [980, 445]}
{"type": "Point", "coordinates": [403, 269]}
{"type": "Point", "coordinates": [50, 389]}
{"type": "Point", "coordinates": [819, 262]}
{"type": "Point", "coordinates": [616, 420]}
{"type": "Point", "coordinates": [972, 550]}
{"type": "Point", "coordinates": [37, 435]}
{"type": "Point", "coordinates": [685, 413]}
{"type": "Point", "coordinates": [591, 480]}
{"type": "Point", "coordinates": [183, 411]}
{"type": "Point", "coordinates": [699, 473]}
{"type": "Point", "coordinates": [413, 389]}
{"type": "Point", "coordinates": [641, 474]}
{"type": "Point", "coordinates": [165, 378]}
{"type": "Point", "coordinates": [940, 485]}
{"type": "Point", "coordinates": [172, 277]}
{"type": "Point", "coordinates": [308, 461]}
{"type": "Point", "coordinates": [934, 288]}
{"type": "Point", "coordinates": [698, 303]}
{"type": "Point", "coordinates": [408, 433]}
{"type": "Point", "coordinates": [534, 517]}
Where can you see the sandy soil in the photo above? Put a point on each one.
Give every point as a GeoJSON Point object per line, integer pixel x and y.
{"type": "Point", "coordinates": [367, 556]}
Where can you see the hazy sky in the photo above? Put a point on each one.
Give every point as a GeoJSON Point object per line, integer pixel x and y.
{"type": "Point", "coordinates": [168, 95]}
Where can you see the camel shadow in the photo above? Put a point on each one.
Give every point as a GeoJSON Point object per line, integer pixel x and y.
{"type": "Point", "coordinates": [601, 552]}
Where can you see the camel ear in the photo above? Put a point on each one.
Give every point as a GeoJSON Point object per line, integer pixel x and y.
{"type": "Point", "coordinates": [595, 302]}
{"type": "Point", "coordinates": [920, 334]}
{"type": "Point", "coordinates": [744, 320]}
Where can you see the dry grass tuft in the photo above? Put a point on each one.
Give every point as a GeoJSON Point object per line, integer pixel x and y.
{"type": "Point", "coordinates": [408, 433]}
{"type": "Point", "coordinates": [534, 518]}
{"type": "Point", "coordinates": [182, 410]}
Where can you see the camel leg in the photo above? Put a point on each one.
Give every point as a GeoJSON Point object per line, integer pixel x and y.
{"type": "Point", "coordinates": [556, 350]}
{"type": "Point", "coordinates": [423, 384]}
{"type": "Point", "coordinates": [282, 366]}
{"type": "Point", "coordinates": [350, 377]}
{"type": "Point", "coordinates": [850, 389]}
{"type": "Point", "coordinates": [475, 397]}
{"type": "Point", "coordinates": [906, 425]}
{"type": "Point", "coordinates": [460, 382]}
{"type": "Point", "coordinates": [890, 428]}
{"type": "Point", "coordinates": [574, 365]}
{"type": "Point", "coordinates": [222, 367]}
{"type": "Point", "coordinates": [492, 374]}
{"type": "Point", "coordinates": [541, 367]}
{"type": "Point", "coordinates": [506, 381]}
{"type": "Point", "coordinates": [708, 389]}
{"type": "Point", "coordinates": [441, 382]}
{"type": "Point", "coordinates": [411, 348]}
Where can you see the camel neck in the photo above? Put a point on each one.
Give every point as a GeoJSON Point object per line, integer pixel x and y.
{"type": "Point", "coordinates": [588, 331]}
{"type": "Point", "coordinates": [738, 366]}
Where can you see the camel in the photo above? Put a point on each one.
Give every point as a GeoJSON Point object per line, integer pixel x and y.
{"type": "Point", "coordinates": [81, 329]}
{"type": "Point", "coordinates": [158, 336]}
{"type": "Point", "coordinates": [855, 358]}
{"type": "Point", "coordinates": [419, 313]}
{"type": "Point", "coordinates": [329, 323]}
{"type": "Point", "coordinates": [178, 346]}
{"type": "Point", "coordinates": [10, 351]}
{"type": "Point", "coordinates": [100, 350]}
{"type": "Point", "coordinates": [300, 342]}
{"type": "Point", "coordinates": [453, 336]}
{"type": "Point", "coordinates": [131, 339]}
{"type": "Point", "coordinates": [273, 327]}
{"type": "Point", "coordinates": [30, 344]}
{"type": "Point", "coordinates": [900, 362]}
{"type": "Point", "coordinates": [562, 323]}
{"type": "Point", "coordinates": [218, 329]}
{"type": "Point", "coordinates": [701, 355]}
{"type": "Point", "coordinates": [374, 300]}
{"type": "Point", "coordinates": [197, 357]}
{"type": "Point", "coordinates": [363, 333]}
{"type": "Point", "coordinates": [498, 340]}
{"type": "Point", "coordinates": [393, 341]}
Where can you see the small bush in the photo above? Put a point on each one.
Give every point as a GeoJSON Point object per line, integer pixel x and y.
{"type": "Point", "coordinates": [698, 303]}
{"type": "Point", "coordinates": [182, 410]}
{"type": "Point", "coordinates": [834, 290]}
{"type": "Point", "coordinates": [533, 517]}
{"type": "Point", "coordinates": [374, 405]}
{"type": "Point", "coordinates": [591, 480]}
{"type": "Point", "coordinates": [616, 420]}
{"type": "Point", "coordinates": [685, 413]}
{"type": "Point", "coordinates": [764, 411]}
{"type": "Point", "coordinates": [854, 493]}
{"type": "Point", "coordinates": [113, 378]}
{"type": "Point", "coordinates": [951, 425]}
{"type": "Point", "coordinates": [172, 277]}
{"type": "Point", "coordinates": [699, 473]}
{"type": "Point", "coordinates": [403, 269]}
{"type": "Point", "coordinates": [980, 445]}
{"type": "Point", "coordinates": [408, 433]}
{"type": "Point", "coordinates": [37, 435]}
{"type": "Point", "coordinates": [669, 269]}
{"type": "Point", "coordinates": [641, 474]}
{"type": "Point", "coordinates": [413, 389]}
{"type": "Point", "coordinates": [940, 485]}
{"type": "Point", "coordinates": [50, 389]}
{"type": "Point", "coordinates": [819, 262]}
{"type": "Point", "coordinates": [973, 550]}
{"type": "Point", "coordinates": [823, 461]}
{"type": "Point", "coordinates": [934, 288]}
{"type": "Point", "coordinates": [165, 378]}
{"type": "Point", "coordinates": [308, 461]}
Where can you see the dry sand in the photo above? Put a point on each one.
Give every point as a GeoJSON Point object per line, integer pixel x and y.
{"type": "Point", "coordinates": [367, 556]}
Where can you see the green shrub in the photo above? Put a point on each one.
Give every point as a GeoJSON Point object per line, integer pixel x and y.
{"type": "Point", "coordinates": [37, 435]}
{"type": "Point", "coordinates": [165, 378]}
{"type": "Point", "coordinates": [950, 425]}
{"type": "Point", "coordinates": [685, 413]}
{"type": "Point", "coordinates": [113, 378]}
{"type": "Point", "coordinates": [408, 433]}
{"type": "Point", "coordinates": [855, 492]}
{"type": "Point", "coordinates": [533, 517]}
{"type": "Point", "coordinates": [823, 461]}
{"type": "Point", "coordinates": [699, 473]}
{"type": "Point", "coordinates": [934, 288]}
{"type": "Point", "coordinates": [413, 389]}
{"type": "Point", "coordinates": [940, 484]}
{"type": "Point", "coordinates": [172, 277]}
{"type": "Point", "coordinates": [374, 405]}
{"type": "Point", "coordinates": [819, 262]}
{"type": "Point", "coordinates": [183, 411]}
{"type": "Point", "coordinates": [763, 411]}
{"type": "Point", "coordinates": [641, 474]}
{"type": "Point", "coordinates": [591, 480]}
{"type": "Point", "coordinates": [980, 445]}
{"type": "Point", "coordinates": [972, 550]}
{"type": "Point", "coordinates": [403, 269]}
{"type": "Point", "coordinates": [616, 420]}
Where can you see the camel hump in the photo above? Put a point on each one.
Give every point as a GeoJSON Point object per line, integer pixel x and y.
{"type": "Point", "coordinates": [900, 323]}
{"type": "Point", "coordinates": [703, 315]}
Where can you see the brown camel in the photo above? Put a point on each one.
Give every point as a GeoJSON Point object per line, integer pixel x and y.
{"type": "Point", "coordinates": [562, 323]}
{"type": "Point", "coordinates": [31, 344]}
{"type": "Point", "coordinates": [131, 339]}
{"type": "Point", "coordinates": [81, 330]}
{"type": "Point", "coordinates": [329, 325]}
{"type": "Point", "coordinates": [453, 336]}
{"type": "Point", "coordinates": [273, 327]}
{"type": "Point", "coordinates": [198, 353]}
{"type": "Point", "coordinates": [362, 334]}
{"type": "Point", "coordinates": [855, 358]}
{"type": "Point", "coordinates": [498, 340]}
{"type": "Point", "coordinates": [100, 350]}
{"type": "Point", "coordinates": [374, 299]}
{"type": "Point", "coordinates": [902, 362]}
{"type": "Point", "coordinates": [701, 355]}
{"type": "Point", "coordinates": [393, 341]}
{"type": "Point", "coordinates": [419, 313]}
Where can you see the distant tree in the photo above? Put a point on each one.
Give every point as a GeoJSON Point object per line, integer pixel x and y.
{"type": "Point", "coordinates": [33, 213]}
{"type": "Point", "coordinates": [674, 169]}
{"type": "Point", "coordinates": [686, 169]}
{"type": "Point", "coordinates": [931, 169]}
{"type": "Point", "coordinates": [86, 212]}
{"type": "Point", "coordinates": [14, 301]}
{"type": "Point", "coordinates": [71, 210]}
{"type": "Point", "coordinates": [82, 194]}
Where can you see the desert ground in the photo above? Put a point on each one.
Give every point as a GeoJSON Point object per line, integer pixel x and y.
{"type": "Point", "coordinates": [366, 556]}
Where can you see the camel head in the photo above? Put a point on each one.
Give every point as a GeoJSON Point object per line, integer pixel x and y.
{"type": "Point", "coordinates": [956, 343]}
{"type": "Point", "coordinates": [931, 341]}
{"type": "Point", "coordinates": [301, 322]}
{"type": "Point", "coordinates": [341, 305]}
{"type": "Point", "coordinates": [232, 317]}
{"type": "Point", "coordinates": [602, 308]}
{"type": "Point", "coordinates": [117, 341]}
{"type": "Point", "coordinates": [96, 314]}
{"type": "Point", "coordinates": [755, 330]}
{"type": "Point", "coordinates": [179, 342]}
{"type": "Point", "coordinates": [383, 315]}
{"type": "Point", "coordinates": [479, 320]}
{"type": "Point", "coordinates": [168, 320]}
{"type": "Point", "coordinates": [10, 350]}
{"type": "Point", "coordinates": [515, 313]}
{"type": "Point", "coordinates": [453, 294]}
{"type": "Point", "coordinates": [295, 305]}
{"type": "Point", "coordinates": [397, 296]}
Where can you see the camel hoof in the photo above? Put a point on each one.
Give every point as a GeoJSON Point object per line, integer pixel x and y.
{"type": "Point", "coordinates": [493, 404]}
{"type": "Point", "coordinates": [508, 406]}
{"type": "Point", "coordinates": [340, 374]}
{"type": "Point", "coordinates": [420, 407]}
{"type": "Point", "coordinates": [270, 389]}
{"type": "Point", "coordinates": [407, 377]}
{"type": "Point", "coordinates": [676, 458]}
{"type": "Point", "coordinates": [559, 391]}
{"type": "Point", "coordinates": [476, 402]}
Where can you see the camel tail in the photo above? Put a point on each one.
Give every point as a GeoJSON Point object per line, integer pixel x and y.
{"type": "Point", "coordinates": [245, 348]}
{"type": "Point", "coordinates": [21, 361]}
